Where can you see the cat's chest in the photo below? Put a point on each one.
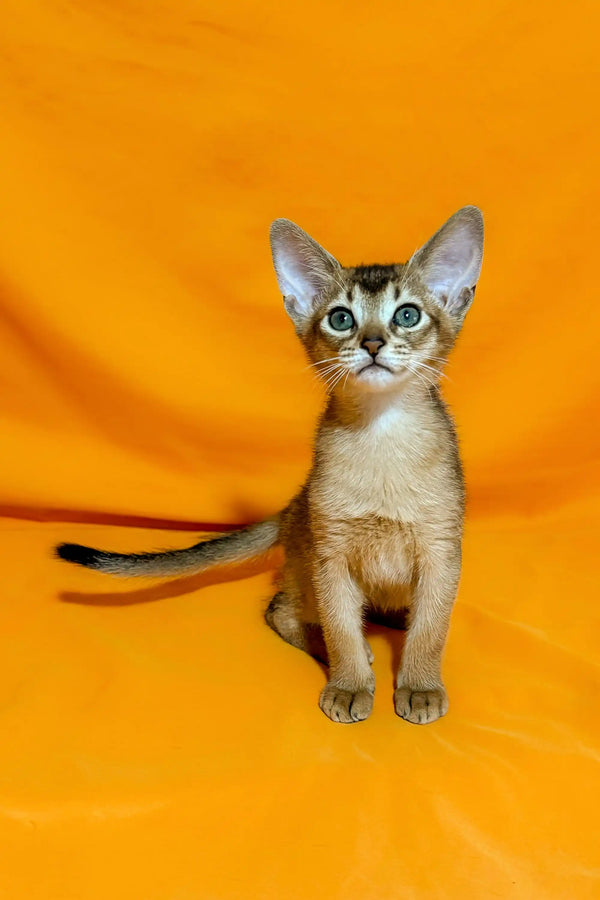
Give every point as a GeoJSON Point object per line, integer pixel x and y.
{"type": "Point", "coordinates": [391, 469]}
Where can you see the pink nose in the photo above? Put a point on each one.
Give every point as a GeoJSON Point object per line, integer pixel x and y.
{"type": "Point", "coordinates": [372, 345]}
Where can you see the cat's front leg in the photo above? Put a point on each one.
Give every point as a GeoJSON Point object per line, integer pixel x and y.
{"type": "Point", "coordinates": [420, 696]}
{"type": "Point", "coordinates": [348, 695]}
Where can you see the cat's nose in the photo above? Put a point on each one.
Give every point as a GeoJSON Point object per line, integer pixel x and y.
{"type": "Point", "coordinates": [372, 345]}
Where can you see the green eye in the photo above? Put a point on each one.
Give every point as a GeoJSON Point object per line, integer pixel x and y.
{"type": "Point", "coordinates": [407, 316]}
{"type": "Point", "coordinates": [341, 319]}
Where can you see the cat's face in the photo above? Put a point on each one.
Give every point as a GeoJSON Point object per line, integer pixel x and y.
{"type": "Point", "coordinates": [376, 328]}
{"type": "Point", "coordinates": [378, 332]}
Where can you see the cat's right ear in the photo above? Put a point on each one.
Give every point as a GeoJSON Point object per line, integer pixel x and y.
{"type": "Point", "coordinates": [305, 270]}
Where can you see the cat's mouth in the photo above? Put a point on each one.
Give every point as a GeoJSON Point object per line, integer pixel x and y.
{"type": "Point", "coordinates": [374, 365]}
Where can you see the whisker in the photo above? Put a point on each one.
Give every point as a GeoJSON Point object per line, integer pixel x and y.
{"type": "Point", "coordinates": [330, 372]}
{"type": "Point", "coordinates": [438, 359]}
{"type": "Point", "coordinates": [421, 377]}
{"type": "Point", "coordinates": [335, 380]}
{"type": "Point", "coordinates": [413, 365]}
{"type": "Point", "coordinates": [341, 375]}
{"type": "Point", "coordinates": [331, 376]}
{"type": "Point", "coordinates": [422, 365]}
{"type": "Point", "coordinates": [321, 362]}
{"type": "Point", "coordinates": [327, 367]}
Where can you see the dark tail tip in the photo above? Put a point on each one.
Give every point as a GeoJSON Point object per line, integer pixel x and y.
{"type": "Point", "coordinates": [82, 556]}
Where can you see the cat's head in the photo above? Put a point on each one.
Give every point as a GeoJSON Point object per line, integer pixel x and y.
{"type": "Point", "coordinates": [376, 328]}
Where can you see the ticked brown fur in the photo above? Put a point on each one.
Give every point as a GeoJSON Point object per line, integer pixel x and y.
{"type": "Point", "coordinates": [378, 523]}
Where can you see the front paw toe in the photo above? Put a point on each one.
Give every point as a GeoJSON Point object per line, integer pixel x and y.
{"type": "Point", "coordinates": [420, 707]}
{"type": "Point", "coordinates": [346, 706]}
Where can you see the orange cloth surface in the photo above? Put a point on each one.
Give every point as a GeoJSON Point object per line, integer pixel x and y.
{"type": "Point", "coordinates": [159, 742]}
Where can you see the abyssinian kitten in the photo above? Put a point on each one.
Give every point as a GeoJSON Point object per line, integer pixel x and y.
{"type": "Point", "coordinates": [378, 523]}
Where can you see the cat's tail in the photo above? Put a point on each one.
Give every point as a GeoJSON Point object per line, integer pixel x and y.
{"type": "Point", "coordinates": [235, 547]}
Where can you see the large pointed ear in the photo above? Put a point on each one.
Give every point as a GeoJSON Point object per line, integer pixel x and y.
{"type": "Point", "coordinates": [305, 271]}
{"type": "Point", "coordinates": [450, 262]}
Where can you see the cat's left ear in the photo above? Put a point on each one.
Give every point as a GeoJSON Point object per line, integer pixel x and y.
{"type": "Point", "coordinates": [305, 270]}
{"type": "Point", "coordinates": [450, 262]}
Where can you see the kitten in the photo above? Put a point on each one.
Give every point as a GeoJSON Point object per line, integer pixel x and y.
{"type": "Point", "coordinates": [378, 523]}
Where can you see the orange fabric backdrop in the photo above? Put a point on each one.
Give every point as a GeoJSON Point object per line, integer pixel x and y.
{"type": "Point", "coordinates": [174, 749]}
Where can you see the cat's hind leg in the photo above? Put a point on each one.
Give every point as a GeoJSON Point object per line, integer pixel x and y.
{"type": "Point", "coordinates": [284, 615]}
{"type": "Point", "coordinates": [292, 614]}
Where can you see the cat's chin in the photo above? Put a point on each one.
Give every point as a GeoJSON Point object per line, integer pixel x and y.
{"type": "Point", "coordinates": [377, 378]}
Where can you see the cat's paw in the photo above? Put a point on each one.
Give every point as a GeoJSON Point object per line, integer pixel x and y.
{"type": "Point", "coordinates": [346, 706]}
{"type": "Point", "coordinates": [420, 707]}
